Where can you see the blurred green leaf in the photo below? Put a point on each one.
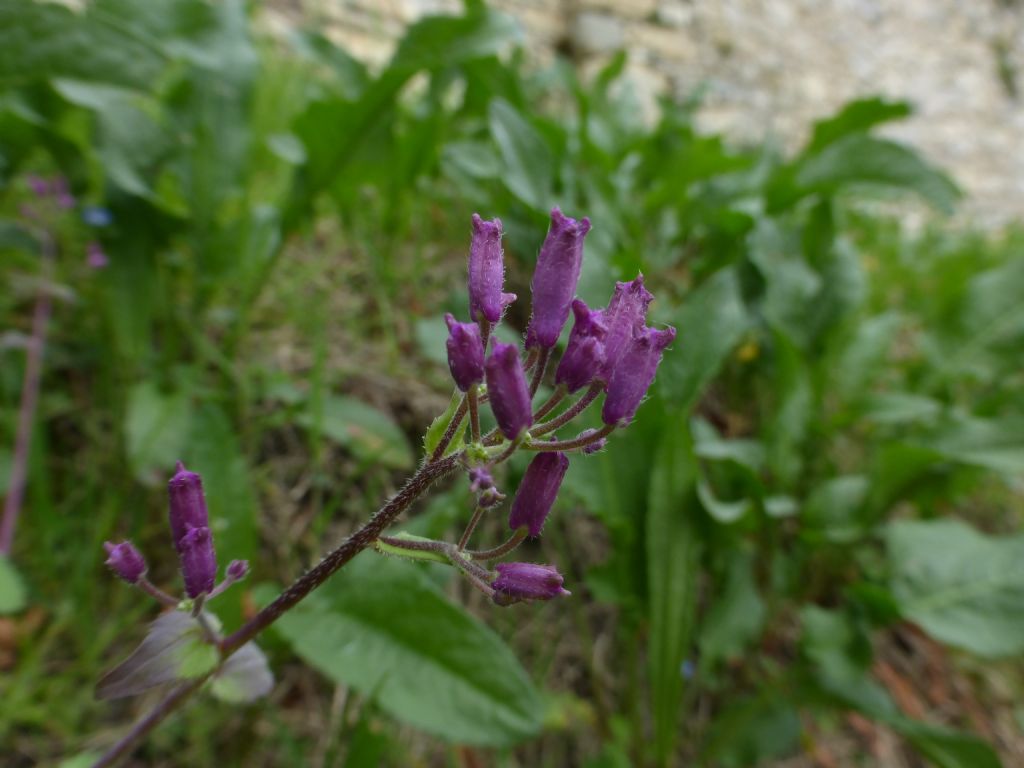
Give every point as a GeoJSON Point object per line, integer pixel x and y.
{"type": "Point", "coordinates": [12, 590]}
{"type": "Point", "coordinates": [370, 434]}
{"type": "Point", "coordinates": [527, 160]}
{"type": "Point", "coordinates": [711, 320]}
{"type": "Point", "coordinates": [157, 426]}
{"type": "Point", "coordinates": [963, 587]}
{"type": "Point", "coordinates": [947, 748]}
{"type": "Point", "coordinates": [751, 730]}
{"type": "Point", "coordinates": [386, 631]}
{"type": "Point", "coordinates": [863, 159]}
{"type": "Point", "coordinates": [673, 573]}
{"type": "Point", "coordinates": [856, 117]}
{"type": "Point", "coordinates": [834, 508]}
{"type": "Point", "coordinates": [736, 615]}
{"type": "Point", "coordinates": [244, 677]}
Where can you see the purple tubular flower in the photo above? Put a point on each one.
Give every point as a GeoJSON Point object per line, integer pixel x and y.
{"type": "Point", "coordinates": [508, 391]}
{"type": "Point", "coordinates": [584, 354]}
{"type": "Point", "coordinates": [626, 313]}
{"type": "Point", "coordinates": [198, 561]}
{"type": "Point", "coordinates": [237, 570]}
{"type": "Point", "coordinates": [465, 353]}
{"type": "Point", "coordinates": [537, 491]}
{"type": "Point", "coordinates": [487, 272]}
{"type": "Point", "coordinates": [188, 505]}
{"type": "Point", "coordinates": [125, 560]}
{"type": "Point", "coordinates": [634, 374]}
{"type": "Point", "coordinates": [555, 278]}
{"type": "Point", "coordinates": [527, 581]}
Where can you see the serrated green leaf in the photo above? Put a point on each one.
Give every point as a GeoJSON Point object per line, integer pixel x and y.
{"type": "Point", "coordinates": [12, 589]}
{"type": "Point", "coordinates": [384, 629]}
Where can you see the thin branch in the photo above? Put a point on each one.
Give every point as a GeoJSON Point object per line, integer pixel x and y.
{"type": "Point", "coordinates": [502, 549]}
{"type": "Point", "coordinates": [449, 434]}
{"type": "Point", "coordinates": [538, 373]}
{"type": "Point", "coordinates": [569, 414]}
{"type": "Point", "coordinates": [474, 414]}
{"type": "Point", "coordinates": [556, 397]}
{"type": "Point", "coordinates": [478, 513]}
{"type": "Point", "coordinates": [580, 441]}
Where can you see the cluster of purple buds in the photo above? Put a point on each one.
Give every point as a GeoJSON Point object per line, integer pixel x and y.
{"type": "Point", "coordinates": [610, 351]}
{"type": "Point", "coordinates": [193, 541]}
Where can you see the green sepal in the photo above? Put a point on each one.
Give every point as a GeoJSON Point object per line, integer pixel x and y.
{"type": "Point", "coordinates": [440, 425]}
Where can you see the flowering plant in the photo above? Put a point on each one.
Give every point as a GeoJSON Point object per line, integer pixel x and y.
{"type": "Point", "coordinates": [610, 351]}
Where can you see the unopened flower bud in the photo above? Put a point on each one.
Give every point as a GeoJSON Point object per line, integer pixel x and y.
{"type": "Point", "coordinates": [480, 479]}
{"type": "Point", "coordinates": [555, 278]}
{"type": "Point", "coordinates": [490, 498]}
{"type": "Point", "coordinates": [125, 560]}
{"type": "Point", "coordinates": [198, 561]}
{"type": "Point", "coordinates": [237, 570]}
{"type": "Point", "coordinates": [187, 504]}
{"type": "Point", "coordinates": [508, 391]}
{"type": "Point", "coordinates": [487, 272]}
{"type": "Point", "coordinates": [527, 581]}
{"type": "Point", "coordinates": [465, 353]}
{"type": "Point", "coordinates": [584, 354]}
{"type": "Point", "coordinates": [624, 315]}
{"type": "Point", "coordinates": [633, 374]}
{"type": "Point", "coordinates": [537, 491]}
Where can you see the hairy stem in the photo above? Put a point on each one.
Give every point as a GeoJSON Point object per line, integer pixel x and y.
{"type": "Point", "coordinates": [478, 513]}
{"type": "Point", "coordinates": [156, 593]}
{"type": "Point", "coordinates": [474, 414]}
{"type": "Point", "coordinates": [449, 434]}
{"type": "Point", "coordinates": [580, 441]}
{"type": "Point", "coordinates": [556, 397]}
{"type": "Point", "coordinates": [538, 373]}
{"type": "Point", "coordinates": [502, 549]}
{"type": "Point", "coordinates": [570, 413]}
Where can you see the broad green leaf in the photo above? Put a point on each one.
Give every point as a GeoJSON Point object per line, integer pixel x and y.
{"type": "Point", "coordinates": [157, 427]}
{"type": "Point", "coordinates": [244, 677]}
{"type": "Point", "coordinates": [712, 320]}
{"type": "Point", "coordinates": [863, 159]}
{"type": "Point", "coordinates": [736, 614]}
{"type": "Point", "coordinates": [996, 444]}
{"type": "Point", "coordinates": [945, 747]}
{"type": "Point", "coordinates": [856, 117]}
{"type": "Point", "coordinates": [12, 589]}
{"type": "Point", "coordinates": [173, 649]}
{"type": "Point", "coordinates": [370, 434]}
{"type": "Point", "coordinates": [384, 629]}
{"type": "Point", "coordinates": [834, 509]}
{"type": "Point", "coordinates": [673, 572]}
{"type": "Point", "coordinates": [527, 160]}
{"type": "Point", "coordinates": [963, 587]}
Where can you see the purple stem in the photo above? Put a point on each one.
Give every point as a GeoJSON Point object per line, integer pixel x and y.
{"type": "Point", "coordinates": [502, 549]}
{"type": "Point", "coordinates": [580, 441]}
{"type": "Point", "coordinates": [538, 374]}
{"type": "Point", "coordinates": [568, 415]}
{"type": "Point", "coordinates": [27, 409]}
{"type": "Point", "coordinates": [453, 427]}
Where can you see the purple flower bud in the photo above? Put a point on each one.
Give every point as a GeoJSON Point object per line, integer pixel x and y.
{"type": "Point", "coordinates": [188, 505]}
{"type": "Point", "coordinates": [595, 446]}
{"type": "Point", "coordinates": [480, 479]}
{"type": "Point", "coordinates": [490, 497]}
{"type": "Point", "coordinates": [95, 257]}
{"type": "Point", "coordinates": [584, 354]}
{"type": "Point", "coordinates": [555, 278]}
{"type": "Point", "coordinates": [527, 581]}
{"type": "Point", "coordinates": [508, 391]}
{"type": "Point", "coordinates": [465, 353]}
{"type": "Point", "coordinates": [626, 313]}
{"type": "Point", "coordinates": [126, 561]}
{"type": "Point", "coordinates": [537, 491]}
{"type": "Point", "coordinates": [487, 272]}
{"type": "Point", "coordinates": [198, 561]}
{"type": "Point", "coordinates": [62, 194]}
{"type": "Point", "coordinates": [237, 570]}
{"type": "Point", "coordinates": [634, 373]}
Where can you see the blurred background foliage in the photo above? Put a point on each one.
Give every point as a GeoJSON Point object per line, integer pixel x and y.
{"type": "Point", "coordinates": [804, 552]}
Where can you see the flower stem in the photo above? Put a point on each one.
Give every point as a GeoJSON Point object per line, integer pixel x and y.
{"type": "Point", "coordinates": [156, 593]}
{"type": "Point", "coordinates": [478, 514]}
{"type": "Point", "coordinates": [502, 549]}
{"type": "Point", "coordinates": [569, 414]}
{"type": "Point", "coordinates": [449, 434]}
{"type": "Point", "coordinates": [538, 373]}
{"type": "Point", "coordinates": [556, 397]}
{"type": "Point", "coordinates": [474, 413]}
{"type": "Point", "coordinates": [580, 441]}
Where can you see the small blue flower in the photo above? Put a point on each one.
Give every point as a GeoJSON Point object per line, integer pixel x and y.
{"type": "Point", "coordinates": [95, 216]}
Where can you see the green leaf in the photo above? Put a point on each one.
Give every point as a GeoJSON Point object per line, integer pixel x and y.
{"type": "Point", "coordinates": [383, 628]}
{"type": "Point", "coordinates": [715, 320]}
{"type": "Point", "coordinates": [527, 159]}
{"type": "Point", "coordinates": [12, 589]}
{"type": "Point", "coordinates": [736, 615]}
{"type": "Point", "coordinates": [244, 677]}
{"type": "Point", "coordinates": [751, 730]}
{"type": "Point", "coordinates": [947, 748]}
{"type": "Point", "coordinates": [863, 159]}
{"type": "Point", "coordinates": [856, 117]}
{"type": "Point", "coordinates": [439, 426]}
{"type": "Point", "coordinates": [673, 571]}
{"type": "Point", "coordinates": [962, 587]}
{"type": "Point", "coordinates": [370, 434]}
{"type": "Point", "coordinates": [724, 511]}
{"type": "Point", "coordinates": [995, 444]}
{"type": "Point", "coordinates": [834, 509]}
{"type": "Point", "coordinates": [901, 408]}
{"type": "Point", "coordinates": [440, 41]}
{"type": "Point", "coordinates": [157, 426]}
